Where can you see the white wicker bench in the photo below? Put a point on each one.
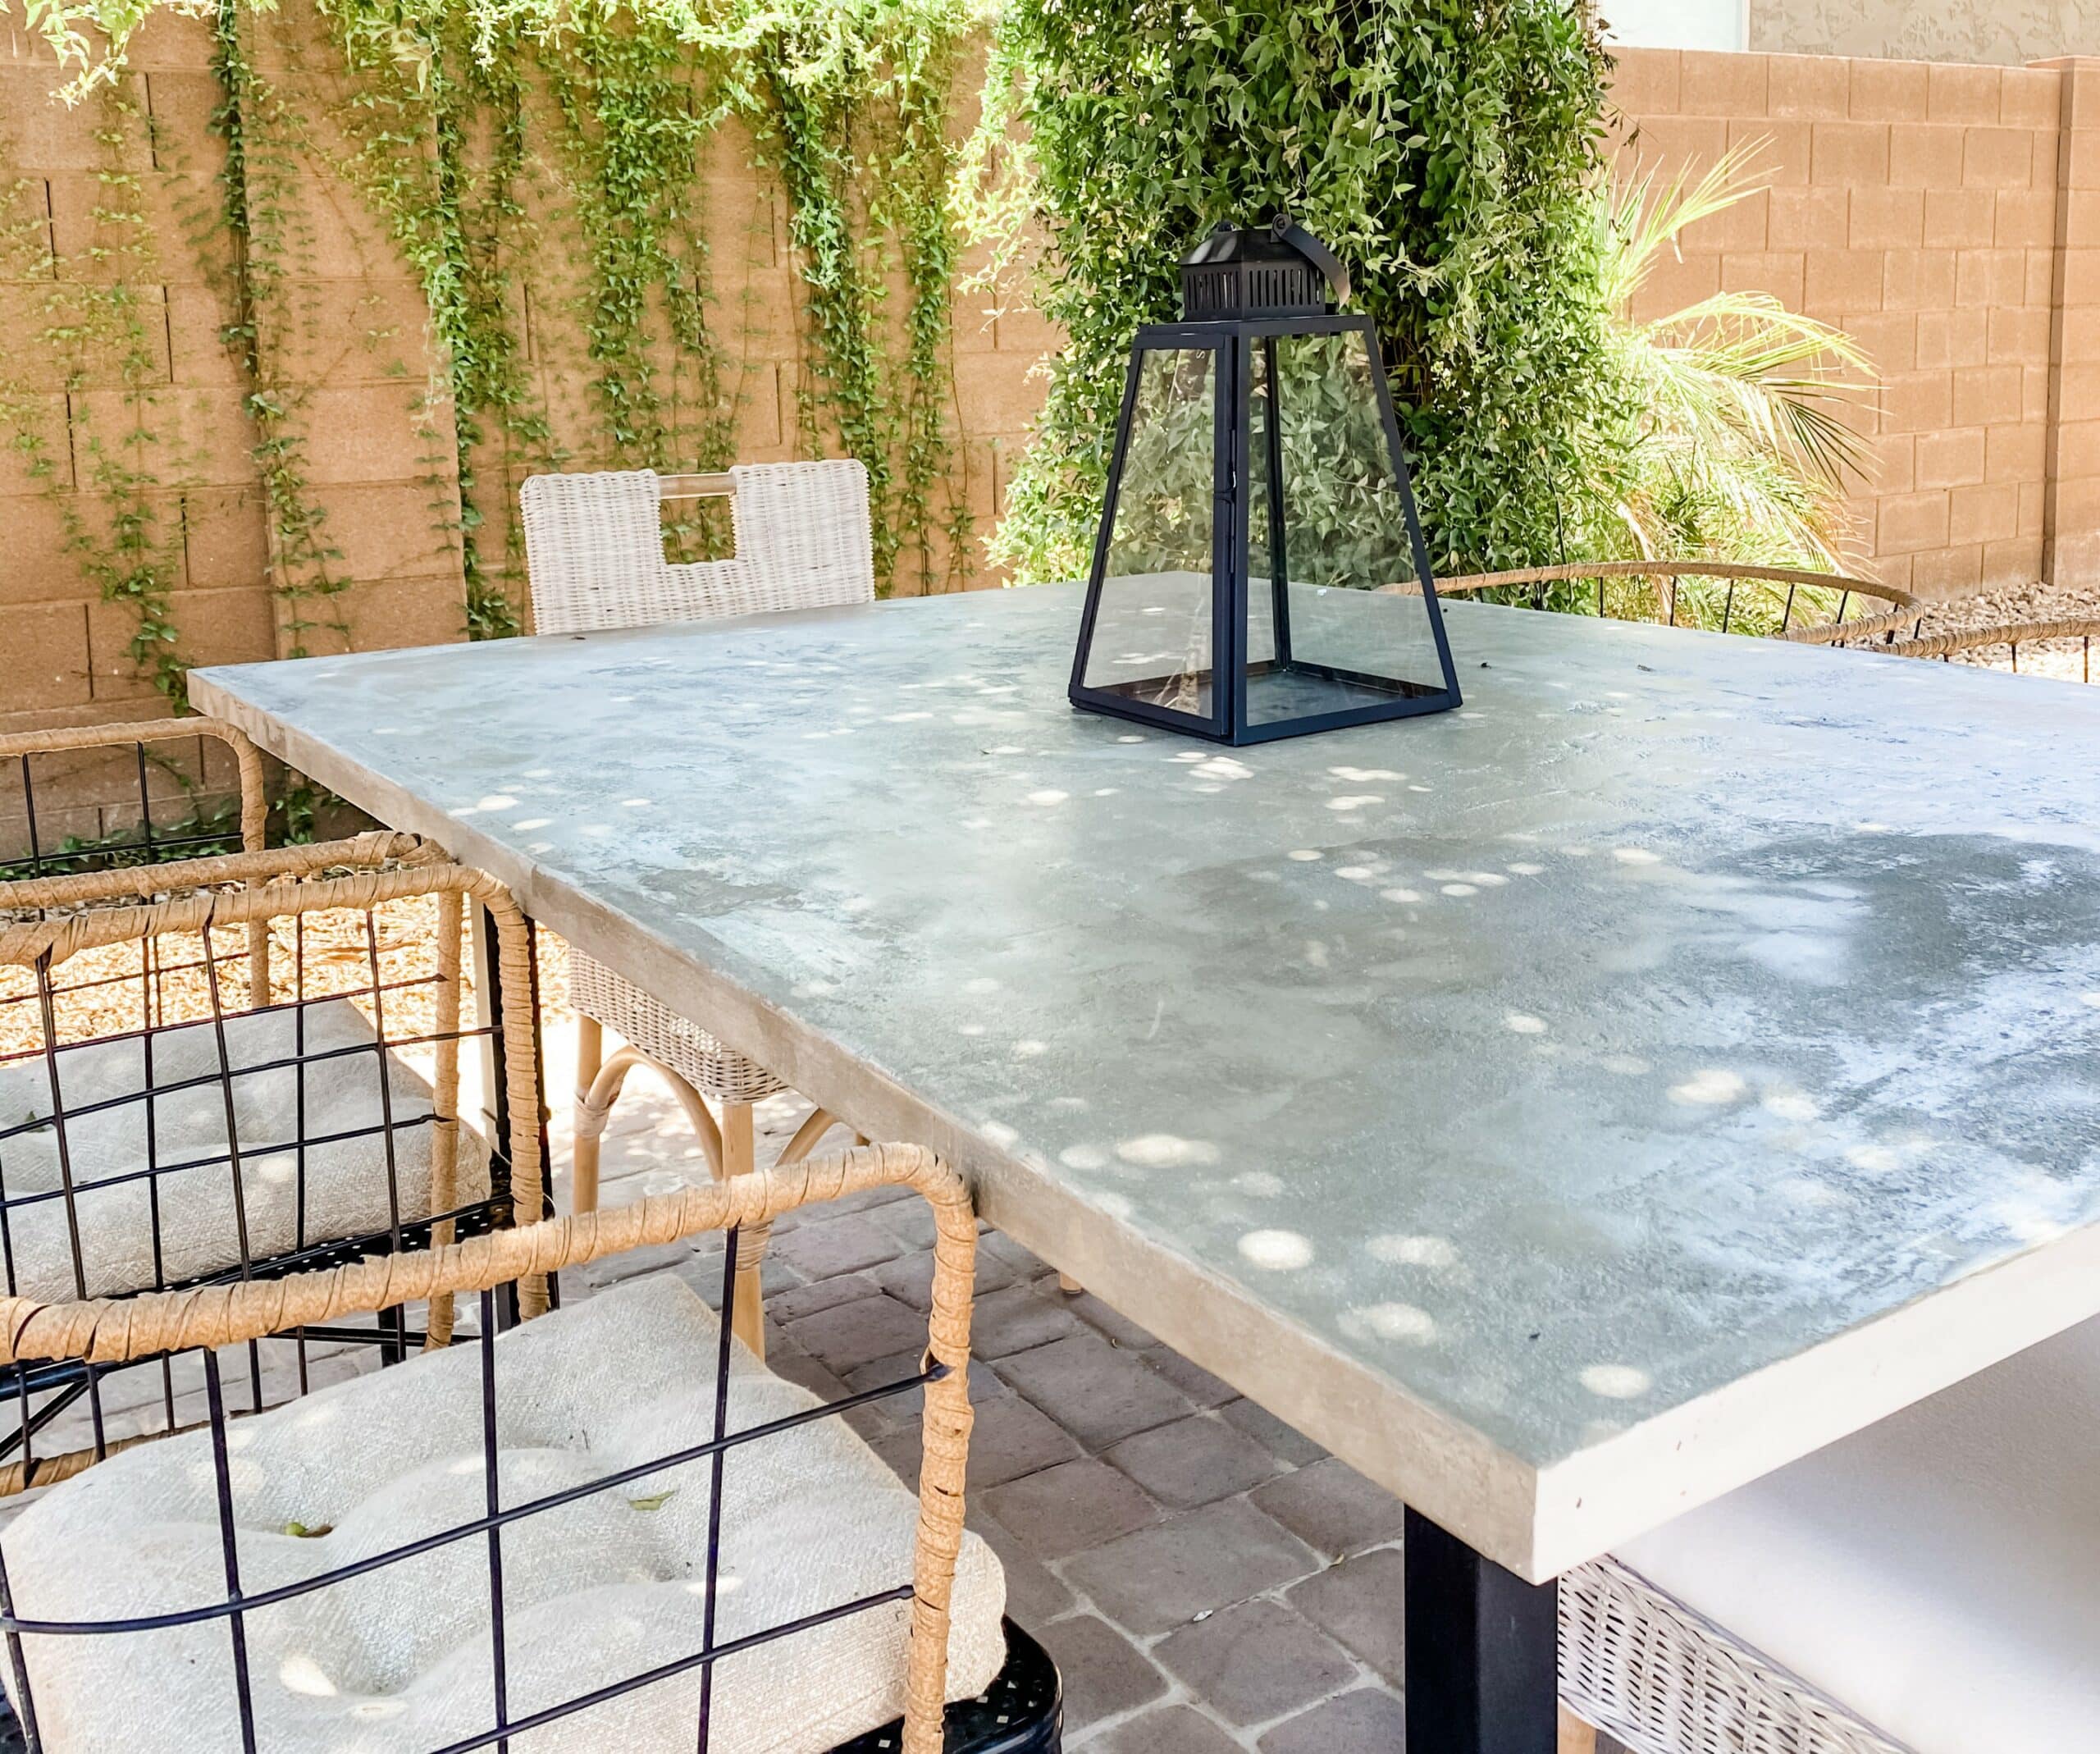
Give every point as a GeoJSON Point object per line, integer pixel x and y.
{"type": "Point", "coordinates": [1930, 1585]}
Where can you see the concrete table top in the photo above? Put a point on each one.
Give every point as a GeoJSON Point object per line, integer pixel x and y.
{"type": "Point", "coordinates": [1566, 1108]}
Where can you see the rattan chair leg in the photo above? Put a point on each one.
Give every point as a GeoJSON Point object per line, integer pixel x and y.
{"type": "Point", "coordinates": [740, 1158]}
{"type": "Point", "coordinates": [1069, 1286]}
{"type": "Point", "coordinates": [1576, 1736]}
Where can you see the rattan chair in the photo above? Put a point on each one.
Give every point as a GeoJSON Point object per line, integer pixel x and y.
{"type": "Point", "coordinates": [593, 547]}
{"type": "Point", "coordinates": [1781, 602]}
{"type": "Point", "coordinates": [542, 1540]}
{"type": "Point", "coordinates": [231, 1069]}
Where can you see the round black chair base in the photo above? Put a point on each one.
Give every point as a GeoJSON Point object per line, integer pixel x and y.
{"type": "Point", "coordinates": [1021, 1712]}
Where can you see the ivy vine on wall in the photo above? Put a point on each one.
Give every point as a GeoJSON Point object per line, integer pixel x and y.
{"type": "Point", "coordinates": [547, 192]}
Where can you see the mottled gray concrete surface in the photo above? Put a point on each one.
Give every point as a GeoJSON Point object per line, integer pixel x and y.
{"type": "Point", "coordinates": [1489, 1087]}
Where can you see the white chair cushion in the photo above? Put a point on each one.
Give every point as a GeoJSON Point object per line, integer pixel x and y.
{"type": "Point", "coordinates": [398, 1660]}
{"type": "Point", "coordinates": [346, 1178]}
{"type": "Point", "coordinates": [1937, 1574]}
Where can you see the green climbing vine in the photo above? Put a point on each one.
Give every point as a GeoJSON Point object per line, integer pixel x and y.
{"type": "Point", "coordinates": [544, 173]}
{"type": "Point", "coordinates": [101, 337]}
{"type": "Point", "coordinates": [270, 238]}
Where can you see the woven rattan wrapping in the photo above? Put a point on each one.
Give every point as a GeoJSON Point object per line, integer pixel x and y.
{"type": "Point", "coordinates": [703, 1061]}
{"type": "Point", "coordinates": [1646, 1670]}
{"type": "Point", "coordinates": [2006, 633]}
{"type": "Point", "coordinates": [594, 545]}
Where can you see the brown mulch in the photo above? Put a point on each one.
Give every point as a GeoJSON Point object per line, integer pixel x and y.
{"type": "Point", "coordinates": [324, 954]}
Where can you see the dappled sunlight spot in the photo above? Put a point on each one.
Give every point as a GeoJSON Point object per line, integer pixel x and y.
{"type": "Point", "coordinates": [1617, 1382]}
{"type": "Point", "coordinates": [1419, 789]}
{"type": "Point", "coordinates": [1876, 1160]}
{"type": "Point", "coordinates": [1487, 879]}
{"type": "Point", "coordinates": [1224, 767]}
{"type": "Point", "coordinates": [1189, 757]}
{"type": "Point", "coordinates": [1305, 855]}
{"type": "Point", "coordinates": [1276, 1251]}
{"type": "Point", "coordinates": [1525, 868]}
{"type": "Point", "coordinates": [1259, 1183]}
{"type": "Point", "coordinates": [1129, 739]}
{"type": "Point", "coordinates": [1114, 1204]}
{"type": "Point", "coordinates": [378, 1708]}
{"type": "Point", "coordinates": [1354, 801]}
{"type": "Point", "coordinates": [1006, 749]}
{"type": "Point", "coordinates": [980, 983]}
{"type": "Point", "coordinates": [1522, 1023]}
{"type": "Point", "coordinates": [532, 823]}
{"type": "Point", "coordinates": [1791, 1105]}
{"type": "Point", "coordinates": [1400, 1250]}
{"type": "Point", "coordinates": [1709, 1087]}
{"type": "Point", "coordinates": [905, 718]}
{"type": "Point", "coordinates": [1106, 791]}
{"type": "Point", "coordinates": [1047, 796]}
{"type": "Point", "coordinates": [1399, 895]}
{"type": "Point", "coordinates": [999, 1134]}
{"type": "Point", "coordinates": [1355, 873]}
{"type": "Point", "coordinates": [1083, 1157]}
{"type": "Point", "coordinates": [1030, 1050]}
{"type": "Point", "coordinates": [1166, 1151]}
{"type": "Point", "coordinates": [1873, 827]}
{"type": "Point", "coordinates": [1363, 776]}
{"type": "Point", "coordinates": [277, 1169]}
{"type": "Point", "coordinates": [2091, 999]}
{"type": "Point", "coordinates": [1636, 855]}
{"type": "Point", "coordinates": [1460, 889]}
{"type": "Point", "coordinates": [1400, 1322]}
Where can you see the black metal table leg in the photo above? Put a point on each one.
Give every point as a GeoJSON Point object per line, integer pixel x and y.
{"type": "Point", "coordinates": [1482, 1651]}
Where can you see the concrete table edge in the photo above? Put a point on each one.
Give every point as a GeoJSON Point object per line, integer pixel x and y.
{"type": "Point", "coordinates": [1537, 1522]}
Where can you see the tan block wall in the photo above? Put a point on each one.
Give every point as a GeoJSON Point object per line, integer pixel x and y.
{"type": "Point", "coordinates": [1924, 208]}
{"type": "Point", "coordinates": [1948, 216]}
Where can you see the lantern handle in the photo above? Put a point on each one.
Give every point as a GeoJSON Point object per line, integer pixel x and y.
{"type": "Point", "coordinates": [1285, 230]}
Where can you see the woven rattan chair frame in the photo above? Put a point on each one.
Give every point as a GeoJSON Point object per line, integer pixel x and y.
{"type": "Point", "coordinates": [1735, 573]}
{"type": "Point", "coordinates": [209, 1318]}
{"type": "Point", "coordinates": [2012, 634]}
{"type": "Point", "coordinates": [55, 919]}
{"type": "Point", "coordinates": [594, 550]}
{"type": "Point", "coordinates": [22, 747]}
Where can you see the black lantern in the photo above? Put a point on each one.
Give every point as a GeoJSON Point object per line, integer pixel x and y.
{"type": "Point", "coordinates": [1260, 570]}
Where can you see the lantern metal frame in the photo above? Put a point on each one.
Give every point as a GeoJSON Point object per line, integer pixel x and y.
{"type": "Point", "coordinates": [1233, 341]}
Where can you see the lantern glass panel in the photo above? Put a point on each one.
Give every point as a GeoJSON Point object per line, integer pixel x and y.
{"type": "Point", "coordinates": [1153, 629]}
{"type": "Point", "coordinates": [1335, 618]}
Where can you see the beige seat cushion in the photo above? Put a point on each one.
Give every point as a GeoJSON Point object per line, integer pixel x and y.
{"type": "Point", "coordinates": [335, 1076]}
{"type": "Point", "coordinates": [397, 1661]}
{"type": "Point", "coordinates": [1936, 1574]}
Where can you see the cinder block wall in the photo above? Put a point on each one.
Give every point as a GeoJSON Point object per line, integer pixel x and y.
{"type": "Point", "coordinates": [1948, 216]}
{"type": "Point", "coordinates": [1937, 213]}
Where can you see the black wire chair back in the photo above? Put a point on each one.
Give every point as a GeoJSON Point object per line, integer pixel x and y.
{"type": "Point", "coordinates": [234, 1069]}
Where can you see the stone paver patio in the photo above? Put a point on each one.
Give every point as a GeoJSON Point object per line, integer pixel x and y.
{"type": "Point", "coordinates": [1208, 1579]}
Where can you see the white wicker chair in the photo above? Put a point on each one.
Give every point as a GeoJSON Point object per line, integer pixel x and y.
{"type": "Point", "coordinates": [594, 549]}
{"type": "Point", "coordinates": [1930, 1585]}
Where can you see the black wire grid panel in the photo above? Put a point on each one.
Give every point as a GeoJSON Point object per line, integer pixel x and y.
{"type": "Point", "coordinates": [165, 1127]}
{"type": "Point", "coordinates": [158, 792]}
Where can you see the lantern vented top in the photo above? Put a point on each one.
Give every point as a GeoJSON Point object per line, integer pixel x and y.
{"type": "Point", "coordinates": [1280, 270]}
